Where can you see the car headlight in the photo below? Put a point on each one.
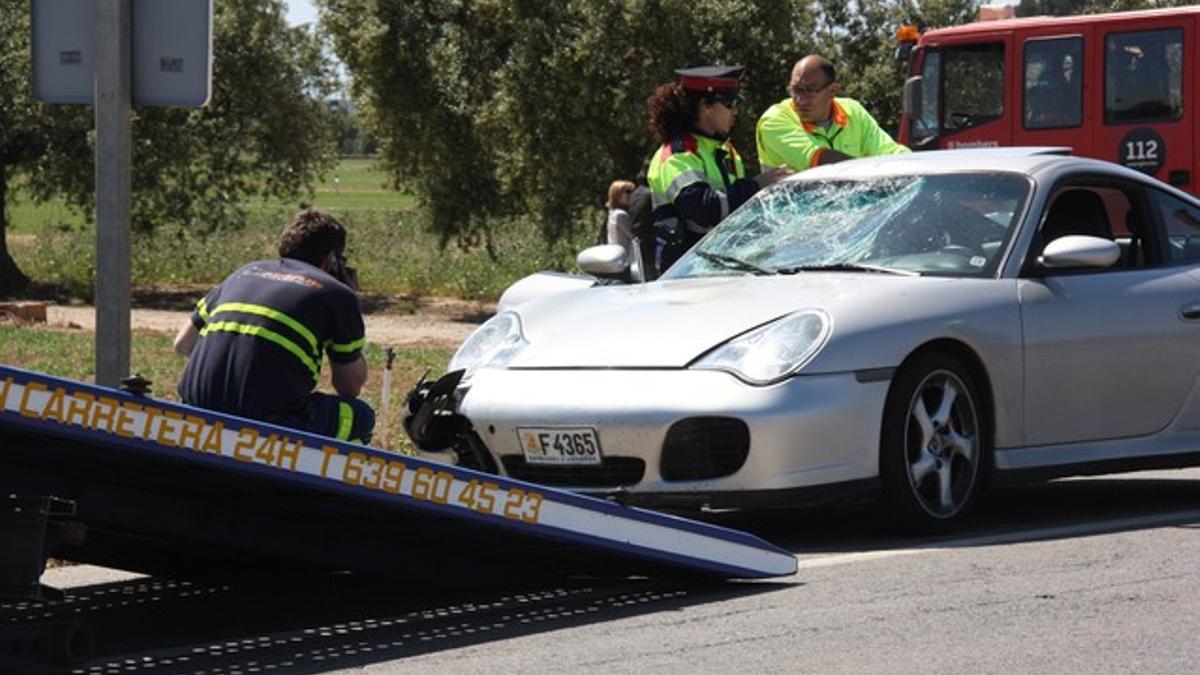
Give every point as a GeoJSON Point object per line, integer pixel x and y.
{"type": "Point", "coordinates": [773, 351]}
{"type": "Point", "coordinates": [492, 345]}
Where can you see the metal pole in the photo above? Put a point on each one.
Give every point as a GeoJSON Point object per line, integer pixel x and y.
{"type": "Point", "coordinates": [113, 161]}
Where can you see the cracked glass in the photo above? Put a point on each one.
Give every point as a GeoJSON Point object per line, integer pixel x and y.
{"type": "Point", "coordinates": [940, 225]}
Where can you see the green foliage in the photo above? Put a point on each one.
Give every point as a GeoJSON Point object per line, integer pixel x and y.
{"type": "Point", "coordinates": [389, 244]}
{"type": "Point", "coordinates": [495, 108]}
{"type": "Point", "coordinates": [492, 109]}
{"type": "Point", "coordinates": [266, 132]}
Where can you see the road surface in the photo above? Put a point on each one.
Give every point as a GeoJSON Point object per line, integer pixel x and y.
{"type": "Point", "coordinates": [1079, 576]}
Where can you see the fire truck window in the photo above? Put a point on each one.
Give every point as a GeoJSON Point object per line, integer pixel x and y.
{"type": "Point", "coordinates": [1182, 223]}
{"type": "Point", "coordinates": [1143, 76]}
{"type": "Point", "coordinates": [1053, 85]}
{"type": "Point", "coordinates": [974, 85]}
{"type": "Point", "coordinates": [926, 125]}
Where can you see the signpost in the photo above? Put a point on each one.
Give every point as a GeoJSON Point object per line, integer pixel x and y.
{"type": "Point", "coordinates": [113, 54]}
{"type": "Point", "coordinates": [113, 160]}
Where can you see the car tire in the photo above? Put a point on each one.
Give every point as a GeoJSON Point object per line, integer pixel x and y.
{"type": "Point", "coordinates": [935, 446]}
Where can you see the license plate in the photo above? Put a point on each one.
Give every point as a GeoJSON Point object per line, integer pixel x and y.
{"type": "Point", "coordinates": [560, 445]}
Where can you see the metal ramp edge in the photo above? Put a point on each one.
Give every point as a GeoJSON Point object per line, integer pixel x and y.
{"type": "Point", "coordinates": [58, 409]}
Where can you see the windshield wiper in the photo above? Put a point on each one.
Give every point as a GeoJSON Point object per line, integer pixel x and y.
{"type": "Point", "coordinates": [846, 267]}
{"type": "Point", "coordinates": [733, 263]}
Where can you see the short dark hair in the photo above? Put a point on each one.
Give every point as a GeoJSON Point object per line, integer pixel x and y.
{"type": "Point", "coordinates": [311, 236]}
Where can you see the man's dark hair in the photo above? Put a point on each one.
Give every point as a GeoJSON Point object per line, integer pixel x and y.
{"type": "Point", "coordinates": [311, 236]}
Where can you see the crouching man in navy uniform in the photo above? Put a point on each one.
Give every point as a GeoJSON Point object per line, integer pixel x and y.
{"type": "Point", "coordinates": [255, 343]}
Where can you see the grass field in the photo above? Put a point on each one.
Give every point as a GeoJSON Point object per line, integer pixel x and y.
{"type": "Point", "coordinates": [353, 186]}
{"type": "Point", "coordinates": [70, 353]}
{"type": "Point", "coordinates": [389, 244]}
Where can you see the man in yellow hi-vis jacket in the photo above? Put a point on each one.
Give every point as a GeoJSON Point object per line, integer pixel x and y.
{"type": "Point", "coordinates": [815, 127]}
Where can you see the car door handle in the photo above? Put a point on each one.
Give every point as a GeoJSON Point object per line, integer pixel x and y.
{"type": "Point", "coordinates": [1190, 312]}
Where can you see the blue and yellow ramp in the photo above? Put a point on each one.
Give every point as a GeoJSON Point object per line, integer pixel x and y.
{"type": "Point", "coordinates": [160, 486]}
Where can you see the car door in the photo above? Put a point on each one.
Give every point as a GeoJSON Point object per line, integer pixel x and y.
{"type": "Point", "coordinates": [1107, 354]}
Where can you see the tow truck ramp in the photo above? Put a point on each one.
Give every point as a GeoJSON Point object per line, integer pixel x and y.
{"type": "Point", "coordinates": [166, 488]}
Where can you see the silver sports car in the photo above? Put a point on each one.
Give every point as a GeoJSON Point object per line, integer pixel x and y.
{"type": "Point", "coordinates": [913, 325]}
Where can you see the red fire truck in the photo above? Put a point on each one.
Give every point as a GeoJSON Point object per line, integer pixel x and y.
{"type": "Point", "coordinates": [1120, 87]}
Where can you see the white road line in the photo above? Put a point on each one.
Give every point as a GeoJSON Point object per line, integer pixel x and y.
{"type": "Point", "coordinates": [1022, 536]}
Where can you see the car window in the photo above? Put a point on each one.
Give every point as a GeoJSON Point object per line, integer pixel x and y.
{"type": "Point", "coordinates": [1103, 211]}
{"type": "Point", "coordinates": [1181, 222]}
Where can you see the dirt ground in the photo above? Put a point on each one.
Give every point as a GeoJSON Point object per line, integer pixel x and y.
{"type": "Point", "coordinates": [390, 320]}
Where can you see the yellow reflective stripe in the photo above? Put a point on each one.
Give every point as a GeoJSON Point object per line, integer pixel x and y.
{"type": "Point", "coordinates": [349, 346]}
{"type": "Point", "coordinates": [202, 309]}
{"type": "Point", "coordinates": [273, 314]}
{"type": "Point", "coordinates": [345, 421]}
{"type": "Point", "coordinates": [266, 334]}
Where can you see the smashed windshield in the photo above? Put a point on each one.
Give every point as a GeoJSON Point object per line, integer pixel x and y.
{"type": "Point", "coordinates": [949, 225]}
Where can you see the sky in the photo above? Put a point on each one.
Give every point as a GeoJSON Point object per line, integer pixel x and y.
{"type": "Point", "coordinates": [300, 11]}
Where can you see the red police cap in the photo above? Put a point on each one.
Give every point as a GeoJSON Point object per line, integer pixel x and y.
{"type": "Point", "coordinates": [718, 80]}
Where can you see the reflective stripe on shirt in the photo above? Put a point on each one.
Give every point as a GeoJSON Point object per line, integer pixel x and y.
{"type": "Point", "coordinates": [268, 335]}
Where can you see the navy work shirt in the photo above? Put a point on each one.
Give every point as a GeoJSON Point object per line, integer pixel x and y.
{"type": "Point", "coordinates": [263, 332]}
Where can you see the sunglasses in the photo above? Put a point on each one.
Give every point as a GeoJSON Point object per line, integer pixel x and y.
{"type": "Point", "coordinates": [731, 103]}
{"type": "Point", "coordinates": [809, 91]}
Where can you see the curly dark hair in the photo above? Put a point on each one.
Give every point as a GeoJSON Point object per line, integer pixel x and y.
{"type": "Point", "coordinates": [670, 110]}
{"type": "Point", "coordinates": [311, 236]}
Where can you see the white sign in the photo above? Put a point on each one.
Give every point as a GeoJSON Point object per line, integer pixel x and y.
{"type": "Point", "coordinates": [171, 51]}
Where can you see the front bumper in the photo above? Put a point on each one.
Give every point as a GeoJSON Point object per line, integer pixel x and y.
{"type": "Point", "coordinates": [815, 431]}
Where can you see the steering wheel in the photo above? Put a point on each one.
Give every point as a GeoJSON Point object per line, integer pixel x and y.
{"type": "Point", "coordinates": [958, 249]}
{"type": "Point", "coordinates": [961, 120]}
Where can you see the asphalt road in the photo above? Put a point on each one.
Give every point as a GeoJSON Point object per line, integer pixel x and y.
{"type": "Point", "coordinates": [1081, 575]}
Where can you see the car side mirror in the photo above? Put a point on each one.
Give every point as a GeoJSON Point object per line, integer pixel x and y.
{"type": "Point", "coordinates": [1078, 250]}
{"type": "Point", "coordinates": [606, 261]}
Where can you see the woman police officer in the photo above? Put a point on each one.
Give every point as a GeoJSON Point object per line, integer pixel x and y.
{"type": "Point", "coordinates": [696, 177]}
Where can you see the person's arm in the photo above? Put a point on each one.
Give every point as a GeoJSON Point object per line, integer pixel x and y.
{"type": "Point", "coordinates": [827, 156]}
{"type": "Point", "coordinates": [349, 378]}
{"type": "Point", "coordinates": [186, 339]}
{"type": "Point", "coordinates": [189, 334]}
{"type": "Point", "coordinates": [706, 207]}
{"type": "Point", "coordinates": [788, 142]}
{"type": "Point", "coordinates": [876, 141]}
{"type": "Point", "coordinates": [348, 368]}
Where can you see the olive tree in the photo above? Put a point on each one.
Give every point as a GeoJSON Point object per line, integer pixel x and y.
{"type": "Point", "coordinates": [494, 108]}
{"type": "Point", "coordinates": [266, 132]}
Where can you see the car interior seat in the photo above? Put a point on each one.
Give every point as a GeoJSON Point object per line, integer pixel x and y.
{"type": "Point", "coordinates": [1076, 212]}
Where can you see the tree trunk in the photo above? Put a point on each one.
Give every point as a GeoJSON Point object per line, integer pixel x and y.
{"type": "Point", "coordinates": [11, 277]}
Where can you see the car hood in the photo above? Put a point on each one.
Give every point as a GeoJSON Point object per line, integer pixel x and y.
{"type": "Point", "coordinates": [668, 324]}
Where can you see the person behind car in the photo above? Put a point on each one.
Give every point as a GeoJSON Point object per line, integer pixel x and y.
{"type": "Point", "coordinates": [696, 176]}
{"type": "Point", "coordinates": [255, 343]}
{"type": "Point", "coordinates": [814, 126]}
{"type": "Point", "coordinates": [618, 229]}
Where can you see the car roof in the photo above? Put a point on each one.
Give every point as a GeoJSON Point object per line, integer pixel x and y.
{"type": "Point", "coordinates": [1023, 160]}
{"type": "Point", "coordinates": [1027, 161]}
